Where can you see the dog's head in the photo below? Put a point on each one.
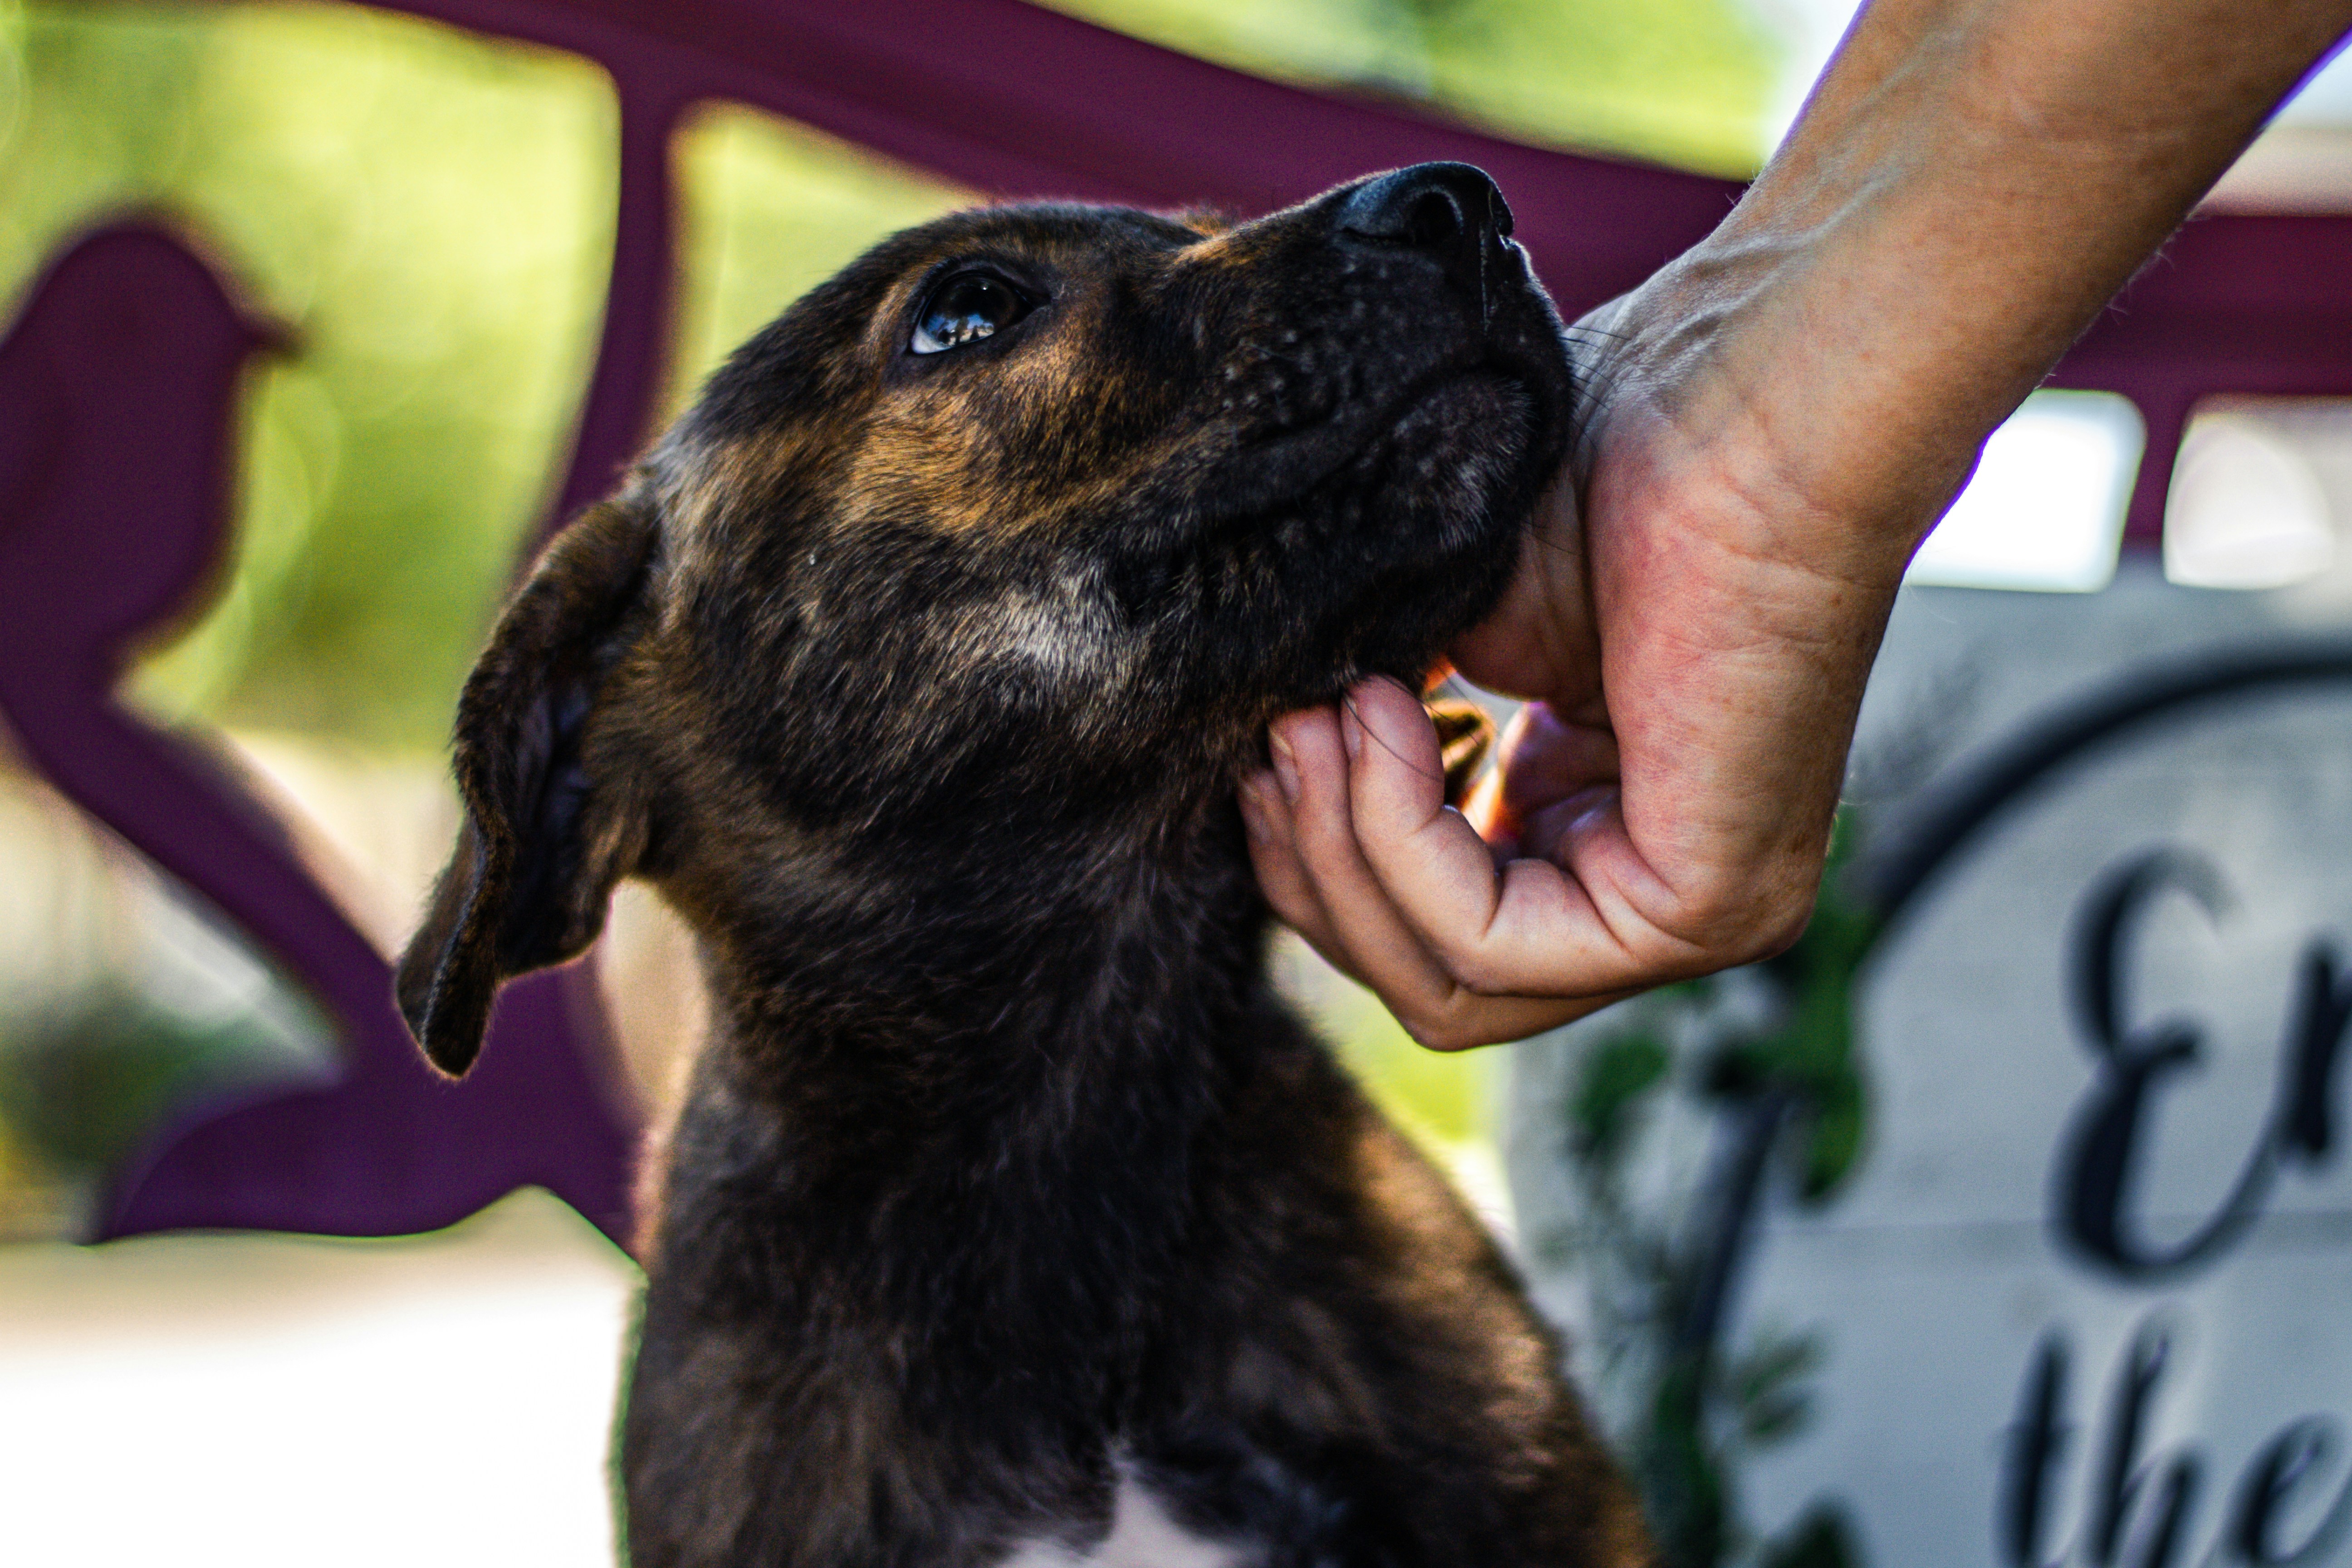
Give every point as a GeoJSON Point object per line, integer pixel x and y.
{"type": "Point", "coordinates": [1030, 512]}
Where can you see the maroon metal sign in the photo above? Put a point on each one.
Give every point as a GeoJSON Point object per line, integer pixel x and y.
{"type": "Point", "coordinates": [115, 389]}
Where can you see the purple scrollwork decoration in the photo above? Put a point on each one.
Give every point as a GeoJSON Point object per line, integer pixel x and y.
{"type": "Point", "coordinates": [117, 386]}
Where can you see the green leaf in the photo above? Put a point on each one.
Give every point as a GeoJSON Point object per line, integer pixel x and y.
{"type": "Point", "coordinates": [1684, 1489]}
{"type": "Point", "coordinates": [1833, 1137]}
{"type": "Point", "coordinates": [1822, 1539]}
{"type": "Point", "coordinates": [1768, 1368]}
{"type": "Point", "coordinates": [1616, 1074]}
{"type": "Point", "coordinates": [1774, 1417]}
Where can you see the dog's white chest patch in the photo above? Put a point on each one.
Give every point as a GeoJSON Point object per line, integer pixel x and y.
{"type": "Point", "coordinates": [1141, 1535]}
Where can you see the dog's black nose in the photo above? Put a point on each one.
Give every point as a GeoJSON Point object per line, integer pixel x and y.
{"type": "Point", "coordinates": [1449, 211]}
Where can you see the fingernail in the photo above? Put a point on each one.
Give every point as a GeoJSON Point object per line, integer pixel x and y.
{"type": "Point", "coordinates": [1251, 796]}
{"type": "Point", "coordinates": [1351, 731]}
{"type": "Point", "coordinates": [1589, 805]}
{"type": "Point", "coordinates": [1286, 766]}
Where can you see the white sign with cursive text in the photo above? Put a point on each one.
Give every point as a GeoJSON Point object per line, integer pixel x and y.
{"type": "Point", "coordinates": [2084, 1300]}
{"type": "Point", "coordinates": [2089, 1294]}
{"type": "Point", "coordinates": [2089, 1297]}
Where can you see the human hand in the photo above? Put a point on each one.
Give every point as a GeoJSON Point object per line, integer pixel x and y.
{"type": "Point", "coordinates": [1777, 418]}
{"type": "Point", "coordinates": [1661, 808]}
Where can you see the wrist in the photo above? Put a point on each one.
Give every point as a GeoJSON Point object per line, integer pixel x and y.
{"type": "Point", "coordinates": [1965, 191]}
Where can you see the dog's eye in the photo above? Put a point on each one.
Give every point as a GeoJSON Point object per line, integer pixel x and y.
{"type": "Point", "coordinates": [965, 309]}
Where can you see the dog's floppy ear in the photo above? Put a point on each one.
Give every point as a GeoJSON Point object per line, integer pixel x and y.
{"type": "Point", "coordinates": [543, 841]}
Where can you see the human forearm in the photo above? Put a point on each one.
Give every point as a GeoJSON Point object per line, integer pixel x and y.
{"type": "Point", "coordinates": [1777, 418]}
{"type": "Point", "coordinates": [1967, 187]}
{"type": "Point", "coordinates": [1792, 403]}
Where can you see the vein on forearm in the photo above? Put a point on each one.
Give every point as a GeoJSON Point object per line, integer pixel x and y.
{"type": "Point", "coordinates": [1967, 187]}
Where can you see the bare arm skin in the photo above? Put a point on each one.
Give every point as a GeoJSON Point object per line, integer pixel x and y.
{"type": "Point", "coordinates": [1782, 414]}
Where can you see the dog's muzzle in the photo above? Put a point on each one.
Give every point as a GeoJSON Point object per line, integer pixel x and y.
{"type": "Point", "coordinates": [1450, 212]}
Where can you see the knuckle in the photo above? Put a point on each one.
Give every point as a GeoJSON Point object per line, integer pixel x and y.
{"type": "Point", "coordinates": [1443, 1031]}
{"type": "Point", "coordinates": [1424, 1031]}
{"type": "Point", "coordinates": [1325, 836]}
{"type": "Point", "coordinates": [1472, 970]}
{"type": "Point", "coordinates": [1777, 931]}
{"type": "Point", "coordinates": [1295, 909]}
{"type": "Point", "coordinates": [1758, 918]}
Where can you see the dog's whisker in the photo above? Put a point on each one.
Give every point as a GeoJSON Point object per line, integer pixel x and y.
{"type": "Point", "coordinates": [1348, 701]}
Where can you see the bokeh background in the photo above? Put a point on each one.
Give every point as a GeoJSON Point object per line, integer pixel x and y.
{"type": "Point", "coordinates": [431, 213]}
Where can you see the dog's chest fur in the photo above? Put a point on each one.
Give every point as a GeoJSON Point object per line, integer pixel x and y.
{"type": "Point", "coordinates": [1169, 1291]}
{"type": "Point", "coordinates": [1142, 1533]}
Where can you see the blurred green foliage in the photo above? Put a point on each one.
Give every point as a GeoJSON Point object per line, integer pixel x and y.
{"type": "Point", "coordinates": [1823, 1538]}
{"type": "Point", "coordinates": [1680, 81]}
{"type": "Point", "coordinates": [1617, 1073]}
{"type": "Point", "coordinates": [1810, 1057]}
{"type": "Point", "coordinates": [1444, 1101]}
{"type": "Point", "coordinates": [431, 212]}
{"type": "Point", "coordinates": [773, 209]}
{"type": "Point", "coordinates": [428, 211]}
{"type": "Point", "coordinates": [1767, 1061]}
{"type": "Point", "coordinates": [84, 1084]}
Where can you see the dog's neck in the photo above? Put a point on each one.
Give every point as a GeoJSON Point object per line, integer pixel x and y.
{"type": "Point", "coordinates": [988, 1080]}
{"type": "Point", "coordinates": [1016, 964]}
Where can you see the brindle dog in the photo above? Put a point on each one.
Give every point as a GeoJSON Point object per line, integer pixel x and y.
{"type": "Point", "coordinates": [1010, 1218]}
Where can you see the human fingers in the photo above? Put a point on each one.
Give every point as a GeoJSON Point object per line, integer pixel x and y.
{"type": "Point", "coordinates": [1311, 774]}
{"type": "Point", "coordinates": [1282, 875]}
{"type": "Point", "coordinates": [1543, 763]}
{"type": "Point", "coordinates": [1377, 945]}
{"type": "Point", "coordinates": [1535, 933]}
